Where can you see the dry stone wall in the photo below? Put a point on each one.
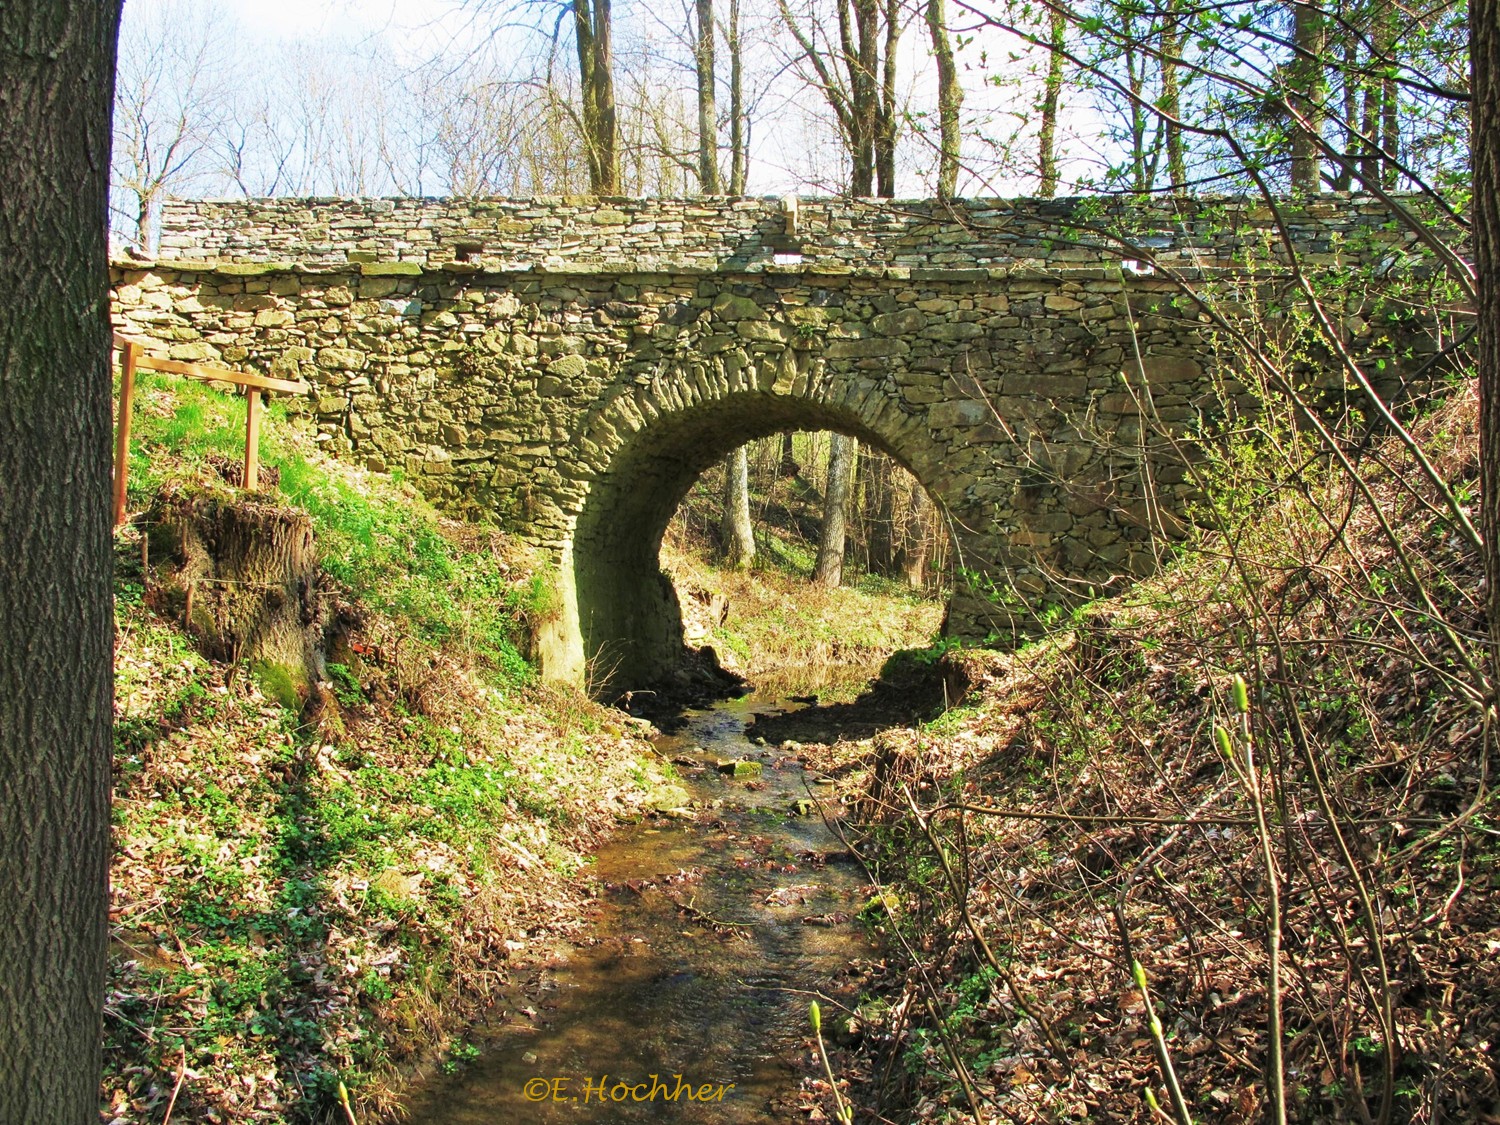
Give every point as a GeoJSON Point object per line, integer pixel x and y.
{"type": "Point", "coordinates": [589, 360]}
{"type": "Point", "coordinates": [827, 235]}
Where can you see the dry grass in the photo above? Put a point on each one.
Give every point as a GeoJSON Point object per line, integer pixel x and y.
{"type": "Point", "coordinates": [1076, 814]}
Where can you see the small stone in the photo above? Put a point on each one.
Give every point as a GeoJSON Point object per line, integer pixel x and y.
{"type": "Point", "coordinates": [666, 798]}
{"type": "Point", "coordinates": [739, 768]}
{"type": "Point", "coordinates": [568, 367]}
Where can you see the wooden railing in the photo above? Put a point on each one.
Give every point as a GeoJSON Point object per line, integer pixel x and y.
{"type": "Point", "coordinates": [133, 358]}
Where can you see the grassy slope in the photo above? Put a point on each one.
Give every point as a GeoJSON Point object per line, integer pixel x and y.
{"type": "Point", "coordinates": [300, 901]}
{"type": "Point", "coordinates": [1355, 691]}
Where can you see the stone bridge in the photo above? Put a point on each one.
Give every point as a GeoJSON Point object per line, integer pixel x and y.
{"type": "Point", "coordinates": [571, 366]}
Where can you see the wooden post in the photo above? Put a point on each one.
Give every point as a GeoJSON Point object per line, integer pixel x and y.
{"type": "Point", "coordinates": [252, 438]}
{"type": "Point", "coordinates": [128, 353]}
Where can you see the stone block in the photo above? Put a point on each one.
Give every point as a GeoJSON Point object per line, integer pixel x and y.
{"type": "Point", "coordinates": [391, 269]}
{"type": "Point", "coordinates": [727, 306]}
{"type": "Point", "coordinates": [866, 348]}
{"type": "Point", "coordinates": [953, 331]}
{"type": "Point", "coordinates": [568, 367]}
{"type": "Point", "coordinates": [341, 358]}
{"type": "Point", "coordinates": [958, 413]}
{"type": "Point", "coordinates": [903, 323]}
{"type": "Point", "coordinates": [195, 352]}
{"type": "Point", "coordinates": [765, 331]}
{"type": "Point", "coordinates": [1157, 369]}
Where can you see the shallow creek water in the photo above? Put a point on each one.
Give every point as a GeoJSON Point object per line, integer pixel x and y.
{"type": "Point", "coordinates": [712, 937]}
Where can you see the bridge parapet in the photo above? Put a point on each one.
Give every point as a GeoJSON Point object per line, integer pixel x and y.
{"type": "Point", "coordinates": [825, 236]}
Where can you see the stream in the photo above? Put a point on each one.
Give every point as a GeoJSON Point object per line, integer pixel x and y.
{"type": "Point", "coordinates": [713, 934]}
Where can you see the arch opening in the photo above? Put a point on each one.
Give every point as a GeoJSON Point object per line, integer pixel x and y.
{"type": "Point", "coordinates": [621, 626]}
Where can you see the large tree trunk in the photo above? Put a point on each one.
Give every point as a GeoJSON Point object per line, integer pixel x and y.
{"type": "Point", "coordinates": [861, 56]}
{"type": "Point", "coordinates": [1057, 27]}
{"type": "Point", "coordinates": [144, 214]}
{"type": "Point", "coordinates": [708, 113]}
{"type": "Point", "coordinates": [1484, 54]}
{"type": "Point", "coordinates": [950, 99]}
{"type": "Point", "coordinates": [1370, 165]}
{"type": "Point", "coordinates": [1390, 115]}
{"type": "Point", "coordinates": [1306, 79]}
{"type": "Point", "coordinates": [594, 38]}
{"type": "Point", "coordinates": [829, 569]}
{"type": "Point", "coordinates": [56, 82]}
{"type": "Point", "coordinates": [1349, 126]}
{"type": "Point", "coordinates": [738, 532]}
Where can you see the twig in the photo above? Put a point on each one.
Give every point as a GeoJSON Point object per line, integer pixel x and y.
{"type": "Point", "coordinates": [842, 1112]}
{"type": "Point", "coordinates": [1153, 1024]}
{"type": "Point", "coordinates": [961, 900]}
{"type": "Point", "coordinates": [929, 991]}
{"type": "Point", "coordinates": [703, 916]}
{"type": "Point", "coordinates": [1250, 776]}
{"type": "Point", "coordinates": [181, 1074]}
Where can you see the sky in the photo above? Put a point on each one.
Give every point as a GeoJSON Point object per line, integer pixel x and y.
{"type": "Point", "coordinates": [793, 144]}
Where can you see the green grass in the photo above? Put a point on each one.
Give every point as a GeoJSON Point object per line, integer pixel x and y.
{"type": "Point", "coordinates": [297, 901]}
{"type": "Point", "coordinates": [378, 539]}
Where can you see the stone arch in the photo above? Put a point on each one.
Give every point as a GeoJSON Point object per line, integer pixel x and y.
{"type": "Point", "coordinates": [640, 453]}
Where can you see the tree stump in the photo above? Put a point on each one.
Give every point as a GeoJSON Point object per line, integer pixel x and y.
{"type": "Point", "coordinates": [241, 574]}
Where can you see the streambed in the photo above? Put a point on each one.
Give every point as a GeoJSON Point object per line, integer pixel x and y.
{"type": "Point", "coordinates": [713, 935]}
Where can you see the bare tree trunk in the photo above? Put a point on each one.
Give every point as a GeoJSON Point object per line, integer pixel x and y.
{"type": "Point", "coordinates": [1135, 82]}
{"type": "Point", "coordinates": [56, 80]}
{"type": "Point", "coordinates": [739, 143]}
{"type": "Point", "coordinates": [708, 113]}
{"type": "Point", "coordinates": [1306, 80]}
{"type": "Point", "coordinates": [788, 466]}
{"type": "Point", "coordinates": [1171, 96]}
{"type": "Point", "coordinates": [1344, 179]}
{"type": "Point", "coordinates": [1370, 165]}
{"type": "Point", "coordinates": [829, 569]}
{"type": "Point", "coordinates": [145, 209]}
{"type": "Point", "coordinates": [1057, 27]}
{"type": "Point", "coordinates": [950, 99]}
{"type": "Point", "coordinates": [1390, 117]}
{"type": "Point", "coordinates": [885, 121]}
{"type": "Point", "coordinates": [865, 98]}
{"type": "Point", "coordinates": [594, 34]}
{"type": "Point", "coordinates": [879, 510]}
{"type": "Point", "coordinates": [917, 538]}
{"type": "Point", "coordinates": [1484, 55]}
{"type": "Point", "coordinates": [737, 530]}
